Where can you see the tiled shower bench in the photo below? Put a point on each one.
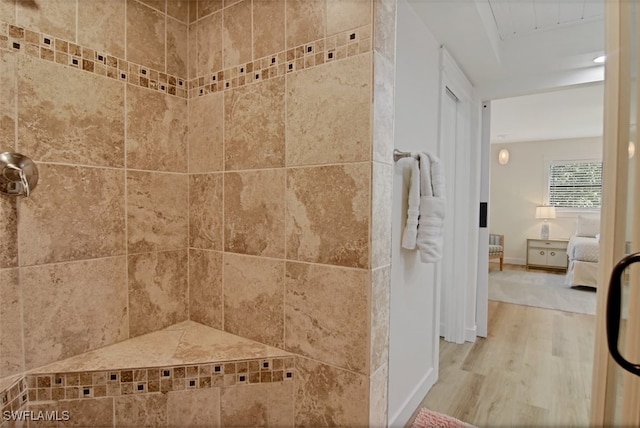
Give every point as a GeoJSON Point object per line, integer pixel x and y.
{"type": "Point", "coordinates": [182, 376]}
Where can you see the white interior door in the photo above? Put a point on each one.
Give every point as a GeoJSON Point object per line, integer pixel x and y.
{"type": "Point", "coordinates": [616, 391]}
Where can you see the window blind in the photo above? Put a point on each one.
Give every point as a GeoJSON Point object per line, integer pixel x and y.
{"type": "Point", "coordinates": [575, 184]}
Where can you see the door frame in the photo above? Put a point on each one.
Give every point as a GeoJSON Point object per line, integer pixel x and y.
{"type": "Point", "coordinates": [614, 205]}
{"type": "Point", "coordinates": [458, 299]}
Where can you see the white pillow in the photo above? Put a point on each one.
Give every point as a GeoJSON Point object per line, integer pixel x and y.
{"type": "Point", "coordinates": [588, 226]}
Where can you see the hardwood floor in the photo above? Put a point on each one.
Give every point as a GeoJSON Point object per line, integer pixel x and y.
{"type": "Point", "coordinates": [534, 369]}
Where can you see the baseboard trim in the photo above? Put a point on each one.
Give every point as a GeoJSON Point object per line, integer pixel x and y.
{"type": "Point", "coordinates": [515, 261]}
{"type": "Point", "coordinates": [470, 334]}
{"type": "Point", "coordinates": [402, 416]}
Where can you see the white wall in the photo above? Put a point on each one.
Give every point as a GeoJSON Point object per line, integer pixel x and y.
{"type": "Point", "coordinates": [413, 354]}
{"type": "Point", "coordinates": [518, 187]}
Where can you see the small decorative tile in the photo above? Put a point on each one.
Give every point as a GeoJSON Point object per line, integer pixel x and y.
{"type": "Point", "coordinates": [126, 376]}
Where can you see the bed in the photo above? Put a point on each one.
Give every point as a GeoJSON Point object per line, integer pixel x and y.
{"type": "Point", "coordinates": [583, 252]}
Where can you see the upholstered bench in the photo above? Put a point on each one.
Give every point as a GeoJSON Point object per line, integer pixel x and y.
{"type": "Point", "coordinates": [496, 248]}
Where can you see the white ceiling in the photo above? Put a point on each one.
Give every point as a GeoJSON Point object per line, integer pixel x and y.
{"type": "Point", "coordinates": [534, 58]}
{"type": "Point", "coordinates": [516, 18]}
{"type": "Point", "coordinates": [569, 113]}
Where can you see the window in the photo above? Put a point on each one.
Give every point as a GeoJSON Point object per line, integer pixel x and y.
{"type": "Point", "coordinates": [575, 184]}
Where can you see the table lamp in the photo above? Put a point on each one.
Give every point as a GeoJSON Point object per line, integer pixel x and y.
{"type": "Point", "coordinates": [545, 212]}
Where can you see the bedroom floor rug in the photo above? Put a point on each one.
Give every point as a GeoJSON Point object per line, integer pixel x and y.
{"type": "Point", "coordinates": [540, 289]}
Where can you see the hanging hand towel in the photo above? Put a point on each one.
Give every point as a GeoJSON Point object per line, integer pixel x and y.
{"type": "Point", "coordinates": [432, 209]}
{"type": "Point", "coordinates": [411, 228]}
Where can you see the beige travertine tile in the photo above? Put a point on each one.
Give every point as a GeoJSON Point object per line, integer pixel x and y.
{"type": "Point", "coordinates": [52, 17]}
{"type": "Point", "coordinates": [193, 11]}
{"type": "Point", "coordinates": [236, 40]}
{"type": "Point", "coordinates": [73, 308]}
{"type": "Point", "coordinates": [328, 396]}
{"type": "Point", "coordinates": [158, 290]}
{"type": "Point", "coordinates": [254, 298]}
{"type": "Point", "coordinates": [383, 109]}
{"type": "Point", "coordinates": [36, 408]}
{"type": "Point", "coordinates": [177, 48]}
{"type": "Point", "coordinates": [306, 21]}
{"type": "Point", "coordinates": [8, 11]}
{"type": "Point", "coordinates": [329, 113]}
{"type": "Point", "coordinates": [178, 9]}
{"type": "Point", "coordinates": [205, 287]}
{"type": "Point", "coordinates": [157, 207]}
{"type": "Point", "coordinates": [254, 125]}
{"type": "Point", "coordinates": [230, 2]}
{"type": "Point", "coordinates": [141, 410]}
{"type": "Point", "coordinates": [8, 101]}
{"type": "Point", "coordinates": [209, 44]}
{"type": "Point", "coordinates": [58, 122]}
{"type": "Point", "coordinates": [205, 211]}
{"type": "Point", "coordinates": [156, 131]}
{"type": "Point", "coordinates": [156, 4]}
{"type": "Point", "coordinates": [343, 15]}
{"type": "Point", "coordinates": [101, 26]}
{"type": "Point", "coordinates": [205, 133]}
{"type": "Point", "coordinates": [328, 214]}
{"type": "Point", "coordinates": [254, 212]}
{"type": "Point", "coordinates": [88, 412]}
{"type": "Point", "coordinates": [11, 348]}
{"type": "Point", "coordinates": [145, 36]}
{"type": "Point", "coordinates": [193, 49]}
{"type": "Point", "coordinates": [8, 232]}
{"type": "Point", "coordinates": [269, 404]}
{"type": "Point", "coordinates": [74, 213]}
{"type": "Point", "coordinates": [327, 312]}
{"type": "Point", "coordinates": [194, 408]}
{"type": "Point", "coordinates": [381, 211]}
{"type": "Point", "coordinates": [207, 7]}
{"type": "Point", "coordinates": [378, 397]}
{"type": "Point", "coordinates": [384, 28]}
{"type": "Point", "coordinates": [268, 27]}
{"type": "Point", "coordinates": [184, 343]}
{"type": "Point", "coordinates": [380, 298]}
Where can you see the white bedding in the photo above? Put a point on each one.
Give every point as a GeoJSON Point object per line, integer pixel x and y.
{"type": "Point", "coordinates": [583, 249]}
{"type": "Point", "coordinates": [583, 255]}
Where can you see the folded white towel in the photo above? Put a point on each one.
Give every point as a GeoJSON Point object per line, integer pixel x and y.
{"type": "Point", "coordinates": [430, 237]}
{"type": "Point", "coordinates": [430, 228]}
{"type": "Point", "coordinates": [411, 228]}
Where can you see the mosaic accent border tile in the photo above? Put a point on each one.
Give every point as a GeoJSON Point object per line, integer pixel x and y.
{"type": "Point", "coordinates": [309, 55]}
{"type": "Point", "coordinates": [39, 45]}
{"type": "Point", "coordinates": [15, 397]}
{"type": "Point", "coordinates": [111, 383]}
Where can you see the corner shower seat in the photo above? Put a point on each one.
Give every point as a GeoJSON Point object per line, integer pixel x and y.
{"type": "Point", "coordinates": [181, 359]}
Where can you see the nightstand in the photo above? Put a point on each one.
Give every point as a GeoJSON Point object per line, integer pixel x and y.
{"type": "Point", "coordinates": [547, 253]}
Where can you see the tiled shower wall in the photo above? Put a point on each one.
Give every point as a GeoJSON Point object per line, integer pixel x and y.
{"type": "Point", "coordinates": [260, 205]}
{"type": "Point", "coordinates": [99, 252]}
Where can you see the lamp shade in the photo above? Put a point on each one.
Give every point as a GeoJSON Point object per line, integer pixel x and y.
{"type": "Point", "coordinates": [545, 211]}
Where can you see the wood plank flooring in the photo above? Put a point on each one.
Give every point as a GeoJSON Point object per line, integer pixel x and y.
{"type": "Point", "coordinates": [534, 369]}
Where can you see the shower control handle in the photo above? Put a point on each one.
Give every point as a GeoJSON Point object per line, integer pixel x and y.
{"type": "Point", "coordinates": [18, 174]}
